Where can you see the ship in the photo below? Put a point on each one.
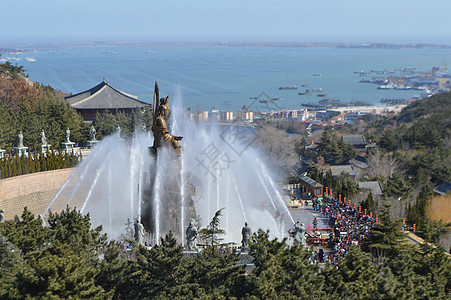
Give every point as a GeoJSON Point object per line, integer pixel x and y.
{"type": "Point", "coordinates": [314, 90]}
{"type": "Point", "coordinates": [30, 59]}
{"type": "Point", "coordinates": [288, 88]}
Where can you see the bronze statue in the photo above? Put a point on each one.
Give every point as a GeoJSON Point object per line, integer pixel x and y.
{"type": "Point", "coordinates": [191, 237]}
{"type": "Point", "coordinates": [139, 233]}
{"type": "Point", "coordinates": [246, 233]}
{"type": "Point", "coordinates": [161, 135]}
{"type": "Point", "coordinates": [92, 133]}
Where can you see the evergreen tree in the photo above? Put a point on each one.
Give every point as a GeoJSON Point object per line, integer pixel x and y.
{"type": "Point", "coordinates": [213, 231]}
{"type": "Point", "coordinates": [354, 278]}
{"type": "Point", "coordinates": [386, 238]}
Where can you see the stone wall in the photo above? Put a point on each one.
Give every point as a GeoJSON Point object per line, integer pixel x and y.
{"type": "Point", "coordinates": [35, 191]}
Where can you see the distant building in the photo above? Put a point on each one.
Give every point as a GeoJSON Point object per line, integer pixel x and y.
{"type": "Point", "coordinates": [442, 189]}
{"type": "Point", "coordinates": [201, 115]}
{"type": "Point", "coordinates": [226, 116]}
{"type": "Point", "coordinates": [245, 115]}
{"type": "Point", "coordinates": [104, 97]}
{"type": "Point", "coordinates": [347, 169]}
{"type": "Point", "coordinates": [311, 187]}
{"type": "Point", "coordinates": [358, 142]}
{"type": "Point", "coordinates": [373, 187]}
{"type": "Point", "coordinates": [303, 115]}
{"type": "Point", "coordinates": [359, 163]}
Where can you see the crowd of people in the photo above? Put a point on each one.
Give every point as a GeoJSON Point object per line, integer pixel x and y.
{"type": "Point", "coordinates": [348, 227]}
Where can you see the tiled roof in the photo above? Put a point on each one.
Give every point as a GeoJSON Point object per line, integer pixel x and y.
{"type": "Point", "coordinates": [310, 181]}
{"type": "Point", "coordinates": [443, 188]}
{"type": "Point", "coordinates": [359, 161]}
{"type": "Point", "coordinates": [104, 96]}
{"type": "Point", "coordinates": [374, 186]}
{"type": "Point", "coordinates": [354, 139]}
{"type": "Point", "coordinates": [337, 170]}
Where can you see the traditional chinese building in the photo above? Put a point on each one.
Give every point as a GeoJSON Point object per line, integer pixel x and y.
{"type": "Point", "coordinates": [442, 189]}
{"type": "Point", "coordinates": [311, 187]}
{"type": "Point", "coordinates": [104, 97]}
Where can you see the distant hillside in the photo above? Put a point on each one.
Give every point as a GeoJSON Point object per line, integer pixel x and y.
{"type": "Point", "coordinates": [31, 107]}
{"type": "Point", "coordinates": [15, 87]}
{"type": "Point", "coordinates": [420, 138]}
{"type": "Point", "coordinates": [438, 104]}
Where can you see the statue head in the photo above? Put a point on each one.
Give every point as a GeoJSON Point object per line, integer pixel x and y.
{"type": "Point", "coordinates": [2, 211]}
{"type": "Point", "coordinates": [163, 108]}
{"type": "Point", "coordinates": [245, 223]}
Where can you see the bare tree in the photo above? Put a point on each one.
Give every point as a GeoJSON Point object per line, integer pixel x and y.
{"type": "Point", "coordinates": [279, 148]}
{"type": "Point", "coordinates": [382, 166]}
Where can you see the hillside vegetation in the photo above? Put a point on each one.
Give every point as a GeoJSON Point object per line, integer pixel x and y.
{"type": "Point", "coordinates": [30, 107]}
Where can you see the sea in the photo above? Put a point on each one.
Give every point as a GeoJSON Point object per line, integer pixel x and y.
{"type": "Point", "coordinates": [225, 77]}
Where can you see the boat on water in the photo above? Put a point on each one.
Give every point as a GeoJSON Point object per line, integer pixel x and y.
{"type": "Point", "coordinates": [386, 87]}
{"type": "Point", "coordinates": [306, 85]}
{"type": "Point", "coordinates": [253, 98]}
{"type": "Point", "coordinates": [288, 88]}
{"type": "Point", "coordinates": [318, 74]}
{"type": "Point", "coordinates": [276, 99]}
{"type": "Point", "coordinates": [314, 90]}
{"type": "Point", "coordinates": [322, 95]}
{"type": "Point", "coordinates": [266, 101]}
{"type": "Point", "coordinates": [30, 59]}
{"type": "Point", "coordinates": [305, 93]}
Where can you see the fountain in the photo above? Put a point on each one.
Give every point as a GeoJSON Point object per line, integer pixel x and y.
{"type": "Point", "coordinates": [166, 187]}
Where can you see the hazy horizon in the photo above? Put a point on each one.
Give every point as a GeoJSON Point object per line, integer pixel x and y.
{"type": "Point", "coordinates": [326, 21]}
{"type": "Point", "coordinates": [396, 40]}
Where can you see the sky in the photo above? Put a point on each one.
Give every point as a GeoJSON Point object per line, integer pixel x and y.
{"type": "Point", "coordinates": [398, 21]}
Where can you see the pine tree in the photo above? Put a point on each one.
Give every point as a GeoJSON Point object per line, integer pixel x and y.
{"type": "Point", "coordinates": [213, 231]}
{"type": "Point", "coordinates": [387, 237]}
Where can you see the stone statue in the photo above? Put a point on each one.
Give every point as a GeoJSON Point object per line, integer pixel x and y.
{"type": "Point", "coordinates": [43, 138]}
{"type": "Point", "coordinates": [20, 139]}
{"type": "Point", "coordinates": [41, 218]}
{"type": "Point", "coordinates": [191, 237]}
{"type": "Point", "coordinates": [92, 133]}
{"type": "Point", "coordinates": [246, 233]}
{"type": "Point", "coordinates": [2, 216]}
{"type": "Point", "coordinates": [67, 135]}
{"type": "Point", "coordinates": [298, 233]}
{"type": "Point", "coordinates": [139, 233]}
{"type": "Point", "coordinates": [160, 130]}
{"type": "Point", "coordinates": [118, 131]}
